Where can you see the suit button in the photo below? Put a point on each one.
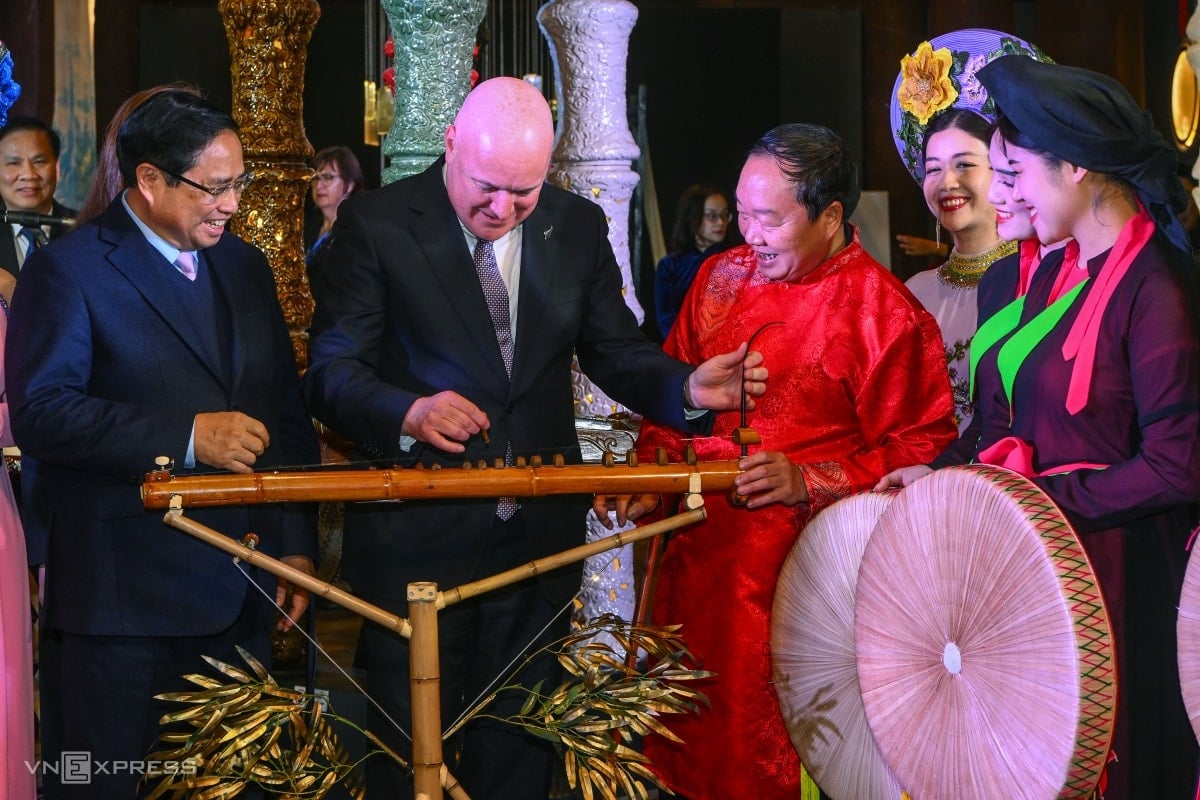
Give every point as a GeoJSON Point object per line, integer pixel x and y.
{"type": "Point", "coordinates": [510, 408]}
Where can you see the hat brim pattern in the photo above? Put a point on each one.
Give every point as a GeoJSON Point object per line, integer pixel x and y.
{"type": "Point", "coordinates": [10, 90]}
{"type": "Point", "coordinates": [941, 74]}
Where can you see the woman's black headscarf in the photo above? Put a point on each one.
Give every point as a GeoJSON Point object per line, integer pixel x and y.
{"type": "Point", "coordinates": [1089, 120]}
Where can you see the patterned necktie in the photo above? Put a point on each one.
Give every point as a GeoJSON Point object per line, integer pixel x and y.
{"type": "Point", "coordinates": [496, 294]}
{"type": "Point", "coordinates": [35, 238]}
{"type": "Point", "coordinates": [186, 264]}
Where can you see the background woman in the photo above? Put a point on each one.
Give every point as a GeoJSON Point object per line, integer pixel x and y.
{"type": "Point", "coordinates": [1100, 378]}
{"type": "Point", "coordinates": [336, 175]}
{"type": "Point", "coordinates": [701, 222]}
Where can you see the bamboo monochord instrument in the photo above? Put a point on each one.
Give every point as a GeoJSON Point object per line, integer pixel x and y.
{"type": "Point", "coordinates": [420, 483]}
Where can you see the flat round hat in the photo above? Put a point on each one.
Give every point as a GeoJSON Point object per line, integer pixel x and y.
{"type": "Point", "coordinates": [940, 74]}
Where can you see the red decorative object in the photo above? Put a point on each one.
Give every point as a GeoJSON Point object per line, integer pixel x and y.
{"type": "Point", "coordinates": [389, 79]}
{"type": "Point", "coordinates": [389, 48]}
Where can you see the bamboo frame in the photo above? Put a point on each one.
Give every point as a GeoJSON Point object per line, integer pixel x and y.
{"type": "Point", "coordinates": [429, 772]}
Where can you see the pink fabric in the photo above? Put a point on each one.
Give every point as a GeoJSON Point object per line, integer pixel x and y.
{"type": "Point", "coordinates": [1017, 455]}
{"type": "Point", "coordinates": [16, 634]}
{"type": "Point", "coordinates": [1082, 338]}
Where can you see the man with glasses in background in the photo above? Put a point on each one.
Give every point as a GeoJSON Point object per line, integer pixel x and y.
{"type": "Point", "coordinates": [29, 151]}
{"type": "Point", "coordinates": [168, 341]}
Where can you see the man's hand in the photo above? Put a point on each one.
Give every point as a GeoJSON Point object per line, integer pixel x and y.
{"type": "Point", "coordinates": [918, 246]}
{"type": "Point", "coordinates": [717, 384]}
{"type": "Point", "coordinates": [444, 420]}
{"type": "Point", "coordinates": [229, 440]}
{"type": "Point", "coordinates": [299, 593]}
{"type": "Point", "coordinates": [628, 507]}
{"type": "Point", "coordinates": [899, 478]}
{"type": "Point", "coordinates": [769, 477]}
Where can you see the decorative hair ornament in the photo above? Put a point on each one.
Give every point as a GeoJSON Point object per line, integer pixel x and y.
{"type": "Point", "coordinates": [940, 74]}
{"type": "Point", "coordinates": [10, 90]}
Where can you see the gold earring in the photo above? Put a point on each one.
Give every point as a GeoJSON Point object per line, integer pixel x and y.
{"type": "Point", "coordinates": [937, 234]}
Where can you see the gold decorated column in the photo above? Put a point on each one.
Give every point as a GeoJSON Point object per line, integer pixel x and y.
{"type": "Point", "coordinates": [268, 43]}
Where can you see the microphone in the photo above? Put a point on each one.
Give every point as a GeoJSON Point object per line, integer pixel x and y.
{"type": "Point", "coordinates": [35, 220]}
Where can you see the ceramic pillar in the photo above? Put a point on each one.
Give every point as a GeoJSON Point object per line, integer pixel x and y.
{"type": "Point", "coordinates": [433, 41]}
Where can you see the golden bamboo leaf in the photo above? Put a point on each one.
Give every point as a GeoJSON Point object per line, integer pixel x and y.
{"type": "Point", "coordinates": [203, 681]}
{"type": "Point", "coordinates": [253, 720]}
{"type": "Point", "coordinates": [237, 744]}
{"type": "Point", "coordinates": [326, 785]}
{"type": "Point", "coordinates": [644, 771]}
{"type": "Point", "coordinates": [227, 790]}
{"type": "Point", "coordinates": [228, 670]}
{"type": "Point", "coordinates": [569, 664]}
{"type": "Point", "coordinates": [569, 765]}
{"type": "Point", "coordinates": [254, 664]}
{"type": "Point", "coordinates": [184, 714]}
{"type": "Point", "coordinates": [626, 784]}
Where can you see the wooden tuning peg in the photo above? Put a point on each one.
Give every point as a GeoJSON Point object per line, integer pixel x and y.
{"type": "Point", "coordinates": [745, 436]}
{"type": "Point", "coordinates": [631, 458]}
{"type": "Point", "coordinates": [608, 459]}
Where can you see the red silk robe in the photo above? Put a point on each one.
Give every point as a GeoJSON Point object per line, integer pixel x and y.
{"type": "Point", "coordinates": [858, 387]}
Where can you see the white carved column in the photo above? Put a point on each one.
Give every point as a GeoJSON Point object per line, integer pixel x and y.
{"type": "Point", "coordinates": [589, 42]}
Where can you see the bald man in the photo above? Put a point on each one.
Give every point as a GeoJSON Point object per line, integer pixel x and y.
{"type": "Point", "coordinates": [462, 294]}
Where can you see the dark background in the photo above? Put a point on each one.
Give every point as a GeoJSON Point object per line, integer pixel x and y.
{"type": "Point", "coordinates": [716, 74]}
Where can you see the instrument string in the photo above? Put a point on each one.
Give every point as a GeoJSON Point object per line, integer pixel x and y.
{"type": "Point", "coordinates": [358, 687]}
{"type": "Point", "coordinates": [506, 671]}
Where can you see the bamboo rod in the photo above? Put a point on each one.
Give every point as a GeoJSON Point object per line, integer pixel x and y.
{"type": "Point", "coordinates": [316, 586]}
{"type": "Point", "coordinates": [419, 483]}
{"type": "Point", "coordinates": [468, 590]}
{"type": "Point", "coordinates": [425, 690]}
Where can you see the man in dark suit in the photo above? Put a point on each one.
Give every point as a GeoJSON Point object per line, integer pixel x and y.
{"type": "Point", "coordinates": [417, 351]}
{"type": "Point", "coordinates": [29, 151]}
{"type": "Point", "coordinates": [168, 340]}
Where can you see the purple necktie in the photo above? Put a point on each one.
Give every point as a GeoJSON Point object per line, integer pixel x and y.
{"type": "Point", "coordinates": [496, 294]}
{"type": "Point", "coordinates": [186, 264]}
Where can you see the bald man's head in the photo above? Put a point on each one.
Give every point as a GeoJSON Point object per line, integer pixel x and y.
{"type": "Point", "coordinates": [497, 155]}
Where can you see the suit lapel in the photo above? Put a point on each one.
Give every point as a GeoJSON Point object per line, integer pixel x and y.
{"type": "Point", "coordinates": [227, 289]}
{"type": "Point", "coordinates": [438, 233]}
{"type": "Point", "coordinates": [147, 270]}
{"type": "Point", "coordinates": [539, 253]}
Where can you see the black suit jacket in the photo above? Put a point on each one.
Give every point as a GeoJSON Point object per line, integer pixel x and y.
{"type": "Point", "coordinates": [8, 246]}
{"type": "Point", "coordinates": [406, 318]}
{"type": "Point", "coordinates": [117, 380]}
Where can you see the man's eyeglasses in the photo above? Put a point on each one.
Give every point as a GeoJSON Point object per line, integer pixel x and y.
{"type": "Point", "coordinates": [237, 185]}
{"type": "Point", "coordinates": [718, 216]}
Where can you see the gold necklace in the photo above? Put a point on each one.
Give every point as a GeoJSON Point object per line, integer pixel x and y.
{"type": "Point", "coordinates": [964, 272]}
